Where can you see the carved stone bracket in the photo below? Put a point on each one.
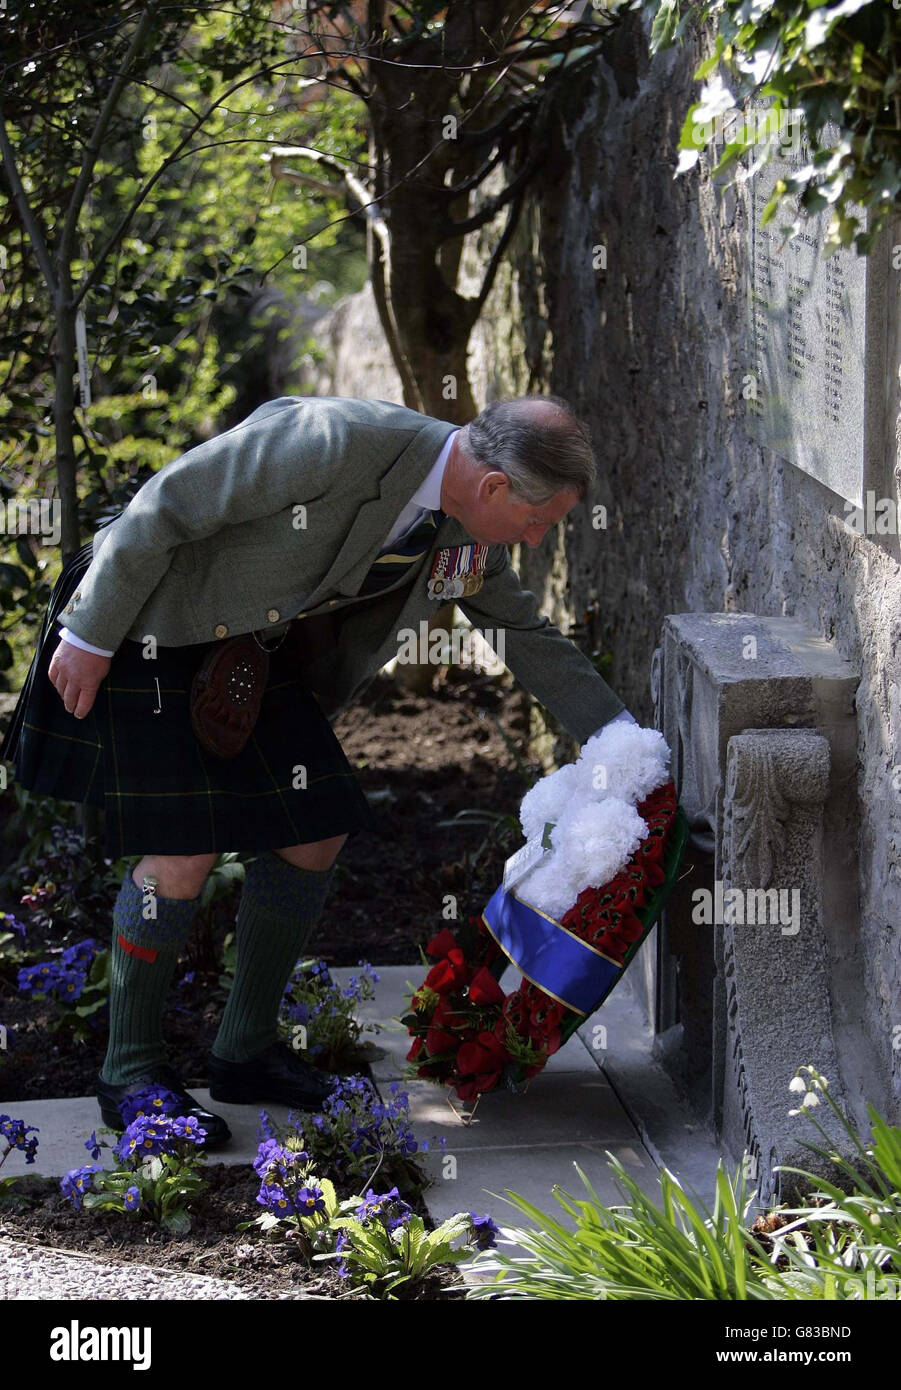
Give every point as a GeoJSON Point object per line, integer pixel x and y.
{"type": "Point", "coordinates": [773, 954]}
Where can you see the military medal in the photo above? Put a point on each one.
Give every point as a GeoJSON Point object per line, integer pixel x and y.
{"type": "Point", "coordinates": [458, 571]}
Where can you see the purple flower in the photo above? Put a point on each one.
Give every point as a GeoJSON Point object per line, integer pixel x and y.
{"type": "Point", "coordinates": [309, 1200]}
{"type": "Point", "coordinates": [16, 1133]}
{"type": "Point", "coordinates": [78, 1181]}
{"type": "Point", "coordinates": [484, 1232]}
{"type": "Point", "coordinates": [151, 1101]}
{"type": "Point", "coordinates": [342, 1243]}
{"type": "Point", "coordinates": [389, 1207]}
{"type": "Point", "coordinates": [146, 1136]}
{"type": "Point", "coordinates": [188, 1127]}
{"type": "Point", "coordinates": [132, 1198]}
{"type": "Point", "coordinates": [82, 953]}
{"type": "Point", "coordinates": [93, 1145]}
{"type": "Point", "coordinates": [265, 1130]}
{"type": "Point", "coordinates": [274, 1197]}
{"type": "Point", "coordinates": [10, 923]}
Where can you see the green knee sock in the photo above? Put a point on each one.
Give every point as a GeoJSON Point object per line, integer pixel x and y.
{"type": "Point", "coordinates": [144, 955]}
{"type": "Point", "coordinates": [279, 907]}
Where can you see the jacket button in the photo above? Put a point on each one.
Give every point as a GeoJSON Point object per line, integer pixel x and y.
{"type": "Point", "coordinates": [220, 630]}
{"type": "Point", "coordinates": [69, 607]}
{"type": "Point", "coordinates": [273, 615]}
{"type": "Point", "coordinates": [77, 594]}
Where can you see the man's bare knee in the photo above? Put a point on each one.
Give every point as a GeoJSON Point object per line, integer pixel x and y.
{"type": "Point", "coordinates": [320, 854]}
{"type": "Point", "coordinates": [177, 875]}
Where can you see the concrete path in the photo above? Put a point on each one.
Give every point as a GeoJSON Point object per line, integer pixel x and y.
{"type": "Point", "coordinates": [590, 1102]}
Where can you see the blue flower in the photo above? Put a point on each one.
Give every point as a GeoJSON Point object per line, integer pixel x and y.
{"type": "Point", "coordinates": [82, 953]}
{"type": "Point", "coordinates": [484, 1232]}
{"type": "Point", "coordinates": [264, 1129]}
{"type": "Point", "coordinates": [93, 1144]}
{"type": "Point", "coordinates": [132, 1198]}
{"type": "Point", "coordinates": [188, 1127]}
{"type": "Point", "coordinates": [145, 1137]}
{"type": "Point", "coordinates": [150, 1101]}
{"type": "Point", "coordinates": [78, 1181]}
{"type": "Point", "coordinates": [342, 1243]}
{"type": "Point", "coordinates": [308, 1200]}
{"type": "Point", "coordinates": [275, 1198]}
{"type": "Point", "coordinates": [10, 923]}
{"type": "Point", "coordinates": [16, 1133]}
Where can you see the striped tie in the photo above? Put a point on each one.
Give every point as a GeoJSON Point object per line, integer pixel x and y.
{"type": "Point", "coordinates": [403, 554]}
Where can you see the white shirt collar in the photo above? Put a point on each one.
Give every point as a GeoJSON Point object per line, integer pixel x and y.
{"type": "Point", "coordinates": [428, 494]}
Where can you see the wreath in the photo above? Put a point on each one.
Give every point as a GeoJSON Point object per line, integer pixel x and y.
{"type": "Point", "coordinates": [467, 1032]}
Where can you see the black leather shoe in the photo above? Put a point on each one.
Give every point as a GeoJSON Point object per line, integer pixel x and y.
{"type": "Point", "coordinates": [111, 1097]}
{"type": "Point", "coordinates": [278, 1074]}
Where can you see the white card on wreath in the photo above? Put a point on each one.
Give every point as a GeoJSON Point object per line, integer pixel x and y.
{"type": "Point", "coordinates": [524, 860]}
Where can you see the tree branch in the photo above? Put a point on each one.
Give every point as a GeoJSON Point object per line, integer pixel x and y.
{"type": "Point", "coordinates": [29, 221]}
{"type": "Point", "coordinates": [83, 182]}
{"type": "Point", "coordinates": [124, 222]}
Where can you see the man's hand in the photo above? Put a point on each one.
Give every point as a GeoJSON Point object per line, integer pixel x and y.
{"type": "Point", "coordinates": [77, 674]}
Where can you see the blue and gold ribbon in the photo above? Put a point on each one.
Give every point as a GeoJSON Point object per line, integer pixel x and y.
{"type": "Point", "coordinates": [552, 957]}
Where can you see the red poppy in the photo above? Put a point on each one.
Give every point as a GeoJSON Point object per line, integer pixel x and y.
{"type": "Point", "coordinates": [484, 988]}
{"type": "Point", "coordinates": [480, 1064]}
{"type": "Point", "coordinates": [437, 1040]}
{"type": "Point", "coordinates": [449, 1018]}
{"type": "Point", "coordinates": [418, 1045]}
{"type": "Point", "coordinates": [449, 973]}
{"type": "Point", "coordinates": [442, 944]}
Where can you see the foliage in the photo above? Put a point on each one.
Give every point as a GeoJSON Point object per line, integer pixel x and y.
{"type": "Point", "coordinates": [835, 64]}
{"type": "Point", "coordinates": [318, 1014]}
{"type": "Point", "coordinates": [184, 259]}
{"type": "Point", "coordinates": [158, 1173]}
{"type": "Point", "coordinates": [357, 1135]}
{"type": "Point", "coordinates": [66, 882]}
{"type": "Point", "coordinates": [378, 1238]}
{"type": "Point", "coordinates": [385, 1252]}
{"type": "Point", "coordinates": [77, 984]}
{"type": "Point", "coordinates": [841, 1245]}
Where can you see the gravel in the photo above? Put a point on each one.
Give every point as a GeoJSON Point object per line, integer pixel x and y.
{"type": "Point", "coordinates": [30, 1272]}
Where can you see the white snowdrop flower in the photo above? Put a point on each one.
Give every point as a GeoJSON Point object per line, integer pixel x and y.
{"type": "Point", "coordinates": [810, 1100]}
{"type": "Point", "coordinates": [797, 1083]}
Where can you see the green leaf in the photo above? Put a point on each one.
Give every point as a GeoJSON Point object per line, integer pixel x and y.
{"type": "Point", "coordinates": [664, 25]}
{"type": "Point", "coordinates": [178, 1222]}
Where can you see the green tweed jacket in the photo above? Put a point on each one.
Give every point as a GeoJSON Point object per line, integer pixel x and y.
{"type": "Point", "coordinates": [284, 514]}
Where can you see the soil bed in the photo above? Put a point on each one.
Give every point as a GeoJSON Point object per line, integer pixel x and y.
{"type": "Point", "coordinates": [36, 1212]}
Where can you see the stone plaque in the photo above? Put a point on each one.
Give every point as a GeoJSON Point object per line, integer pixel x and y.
{"type": "Point", "coordinates": [808, 333]}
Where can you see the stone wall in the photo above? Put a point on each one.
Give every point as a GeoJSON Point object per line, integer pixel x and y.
{"type": "Point", "coordinates": [651, 351]}
{"type": "Point", "coordinates": [699, 518]}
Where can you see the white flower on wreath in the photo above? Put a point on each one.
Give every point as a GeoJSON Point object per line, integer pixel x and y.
{"type": "Point", "coordinates": [591, 803]}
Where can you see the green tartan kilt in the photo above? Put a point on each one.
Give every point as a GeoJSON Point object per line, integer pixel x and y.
{"type": "Point", "coordinates": [136, 757]}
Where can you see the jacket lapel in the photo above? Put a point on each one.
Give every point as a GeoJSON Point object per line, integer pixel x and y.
{"type": "Point", "coordinates": [375, 517]}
